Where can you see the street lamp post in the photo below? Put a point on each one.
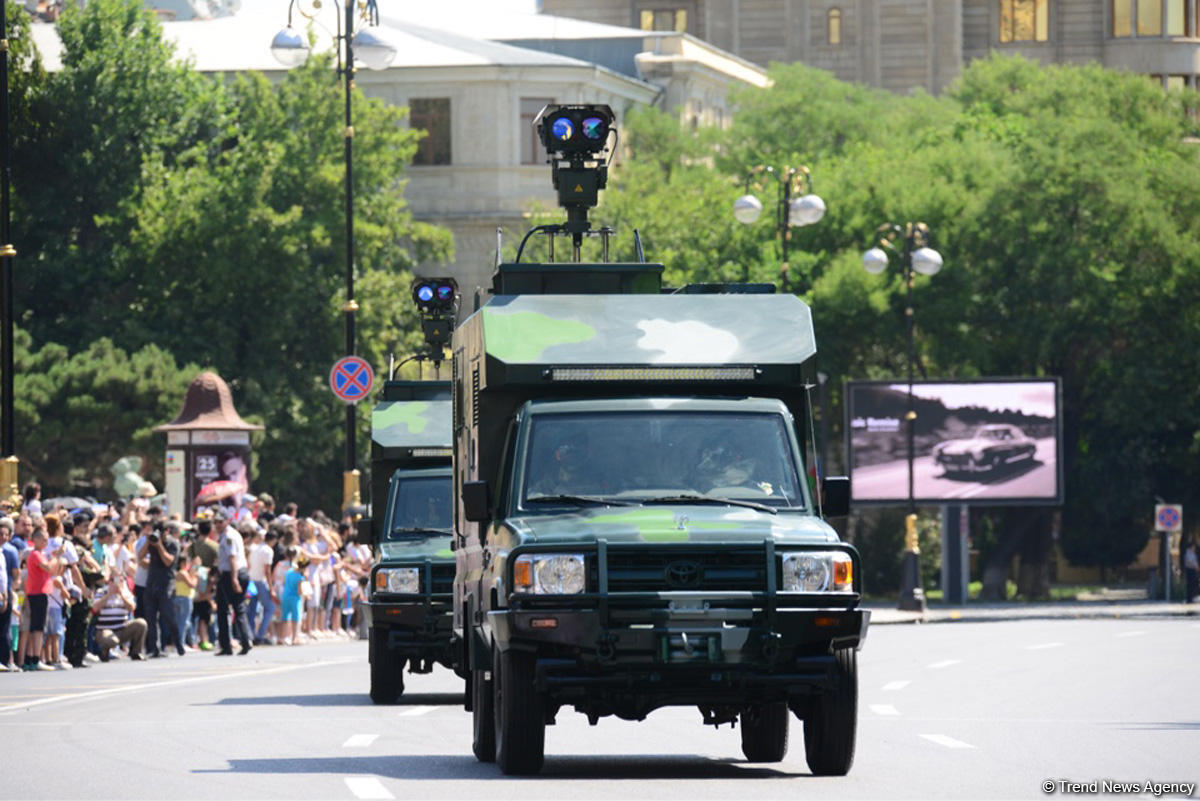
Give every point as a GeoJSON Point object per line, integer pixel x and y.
{"type": "Point", "coordinates": [8, 467]}
{"type": "Point", "coordinates": [290, 47]}
{"type": "Point", "coordinates": [911, 243]}
{"type": "Point", "coordinates": [800, 210]}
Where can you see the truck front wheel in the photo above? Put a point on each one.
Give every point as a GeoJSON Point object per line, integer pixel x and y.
{"type": "Point", "coordinates": [765, 732]}
{"type": "Point", "coordinates": [520, 713]}
{"type": "Point", "coordinates": [387, 670]}
{"type": "Point", "coordinates": [829, 726]}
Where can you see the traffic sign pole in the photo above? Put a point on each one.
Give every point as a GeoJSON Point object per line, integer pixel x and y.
{"type": "Point", "coordinates": [1168, 518]}
{"type": "Point", "coordinates": [351, 379]}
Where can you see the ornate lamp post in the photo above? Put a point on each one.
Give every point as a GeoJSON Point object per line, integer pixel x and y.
{"type": "Point", "coordinates": [8, 467]}
{"type": "Point", "coordinates": [290, 48]}
{"type": "Point", "coordinates": [794, 208]}
{"type": "Point", "coordinates": [910, 243]}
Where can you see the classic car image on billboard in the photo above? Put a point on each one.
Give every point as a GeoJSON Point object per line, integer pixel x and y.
{"type": "Point", "coordinates": [975, 442]}
{"type": "Point", "coordinates": [989, 448]}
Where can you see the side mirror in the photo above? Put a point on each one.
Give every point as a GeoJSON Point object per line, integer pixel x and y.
{"type": "Point", "coordinates": [366, 532]}
{"type": "Point", "coordinates": [835, 496]}
{"type": "Point", "coordinates": [475, 501]}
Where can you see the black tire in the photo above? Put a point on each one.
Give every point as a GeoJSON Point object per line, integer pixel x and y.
{"type": "Point", "coordinates": [483, 718]}
{"type": "Point", "coordinates": [765, 732]}
{"type": "Point", "coordinates": [829, 727]}
{"type": "Point", "coordinates": [520, 713]}
{"type": "Point", "coordinates": [387, 670]}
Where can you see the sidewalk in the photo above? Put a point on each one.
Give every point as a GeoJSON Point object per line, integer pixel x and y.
{"type": "Point", "coordinates": [882, 614]}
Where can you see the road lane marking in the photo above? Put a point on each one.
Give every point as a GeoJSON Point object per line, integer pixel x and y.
{"type": "Point", "coordinates": [1131, 634]}
{"type": "Point", "coordinates": [895, 685]}
{"type": "Point", "coordinates": [884, 709]}
{"type": "Point", "coordinates": [944, 664]}
{"type": "Point", "coordinates": [360, 741]}
{"type": "Point", "coordinates": [367, 787]}
{"type": "Point", "coordinates": [949, 742]}
{"type": "Point", "coordinates": [417, 710]}
{"type": "Point", "coordinates": [8, 709]}
{"type": "Point", "coordinates": [1044, 646]}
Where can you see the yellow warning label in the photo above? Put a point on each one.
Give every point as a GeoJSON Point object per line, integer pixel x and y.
{"type": "Point", "coordinates": [578, 187]}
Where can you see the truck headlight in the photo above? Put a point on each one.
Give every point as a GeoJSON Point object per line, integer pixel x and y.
{"type": "Point", "coordinates": [818, 571]}
{"type": "Point", "coordinates": [549, 573]}
{"type": "Point", "coordinates": [406, 580]}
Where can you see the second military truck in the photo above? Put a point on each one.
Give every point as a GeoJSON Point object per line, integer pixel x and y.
{"type": "Point", "coordinates": [410, 583]}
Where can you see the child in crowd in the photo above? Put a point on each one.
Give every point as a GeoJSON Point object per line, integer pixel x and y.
{"type": "Point", "coordinates": [292, 598]}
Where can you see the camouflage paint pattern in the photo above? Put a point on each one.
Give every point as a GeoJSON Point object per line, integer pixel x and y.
{"type": "Point", "coordinates": [412, 424]}
{"type": "Point", "coordinates": [674, 523]}
{"type": "Point", "coordinates": [648, 329]}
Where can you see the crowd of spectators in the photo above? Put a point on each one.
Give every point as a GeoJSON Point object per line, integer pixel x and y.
{"type": "Point", "coordinates": [126, 581]}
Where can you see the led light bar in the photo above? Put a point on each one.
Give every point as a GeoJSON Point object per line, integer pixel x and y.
{"type": "Point", "coordinates": [652, 374]}
{"type": "Point", "coordinates": [432, 453]}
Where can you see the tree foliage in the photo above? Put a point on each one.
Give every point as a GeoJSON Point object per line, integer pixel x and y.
{"type": "Point", "coordinates": [204, 216]}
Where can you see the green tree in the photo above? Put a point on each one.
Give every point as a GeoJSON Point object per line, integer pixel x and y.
{"type": "Point", "coordinates": [77, 413]}
{"type": "Point", "coordinates": [205, 217]}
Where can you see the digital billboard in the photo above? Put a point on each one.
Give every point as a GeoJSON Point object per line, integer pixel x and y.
{"type": "Point", "coordinates": [979, 442]}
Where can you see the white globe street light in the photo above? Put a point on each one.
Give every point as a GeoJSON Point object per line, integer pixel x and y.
{"type": "Point", "coordinates": [375, 52]}
{"type": "Point", "coordinates": [797, 211]}
{"type": "Point", "coordinates": [746, 209]}
{"type": "Point", "coordinates": [290, 47]}
{"type": "Point", "coordinates": [806, 210]}
{"type": "Point", "coordinates": [875, 261]}
{"type": "Point", "coordinates": [926, 261]}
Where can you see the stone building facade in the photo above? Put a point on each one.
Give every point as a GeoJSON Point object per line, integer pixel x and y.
{"type": "Point", "coordinates": [902, 45]}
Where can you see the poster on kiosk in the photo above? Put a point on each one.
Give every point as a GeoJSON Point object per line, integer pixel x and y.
{"type": "Point", "coordinates": [979, 442]}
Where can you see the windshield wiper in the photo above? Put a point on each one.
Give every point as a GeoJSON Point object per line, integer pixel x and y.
{"type": "Point", "coordinates": [420, 530]}
{"type": "Point", "coordinates": [692, 498]}
{"type": "Point", "coordinates": [578, 500]}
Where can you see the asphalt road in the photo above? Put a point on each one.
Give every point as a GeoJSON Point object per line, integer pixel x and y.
{"type": "Point", "coordinates": [948, 711]}
{"type": "Point", "coordinates": [1027, 479]}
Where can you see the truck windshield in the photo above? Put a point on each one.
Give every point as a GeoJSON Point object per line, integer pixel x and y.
{"type": "Point", "coordinates": [660, 456]}
{"type": "Point", "coordinates": [422, 506]}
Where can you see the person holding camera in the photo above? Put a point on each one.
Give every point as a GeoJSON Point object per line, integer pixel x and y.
{"type": "Point", "coordinates": [162, 548]}
{"type": "Point", "coordinates": [113, 606]}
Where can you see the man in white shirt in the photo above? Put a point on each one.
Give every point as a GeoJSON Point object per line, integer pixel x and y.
{"type": "Point", "coordinates": [232, 578]}
{"type": "Point", "coordinates": [261, 556]}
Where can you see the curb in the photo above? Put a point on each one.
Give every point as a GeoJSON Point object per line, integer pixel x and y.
{"type": "Point", "coordinates": [889, 617]}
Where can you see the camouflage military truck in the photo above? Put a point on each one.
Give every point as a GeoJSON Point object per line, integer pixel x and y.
{"type": "Point", "coordinates": [633, 526]}
{"type": "Point", "coordinates": [410, 583]}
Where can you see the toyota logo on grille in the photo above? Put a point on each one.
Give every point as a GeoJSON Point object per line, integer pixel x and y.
{"type": "Point", "coordinates": [683, 574]}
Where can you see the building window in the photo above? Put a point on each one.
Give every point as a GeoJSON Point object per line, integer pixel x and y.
{"type": "Point", "coordinates": [432, 115]}
{"type": "Point", "coordinates": [1177, 21]}
{"type": "Point", "coordinates": [664, 19]}
{"type": "Point", "coordinates": [833, 26]}
{"type": "Point", "coordinates": [1122, 18]}
{"type": "Point", "coordinates": [1176, 82]}
{"type": "Point", "coordinates": [1024, 20]}
{"type": "Point", "coordinates": [532, 150]}
{"type": "Point", "coordinates": [1149, 18]}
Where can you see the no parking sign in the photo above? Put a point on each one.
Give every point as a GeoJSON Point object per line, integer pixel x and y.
{"type": "Point", "coordinates": [351, 379]}
{"type": "Point", "coordinates": [1168, 517]}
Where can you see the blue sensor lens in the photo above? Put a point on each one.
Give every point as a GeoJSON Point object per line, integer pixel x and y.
{"type": "Point", "coordinates": [561, 129]}
{"type": "Point", "coordinates": [445, 292]}
{"type": "Point", "coordinates": [593, 128]}
{"type": "Point", "coordinates": [425, 293]}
